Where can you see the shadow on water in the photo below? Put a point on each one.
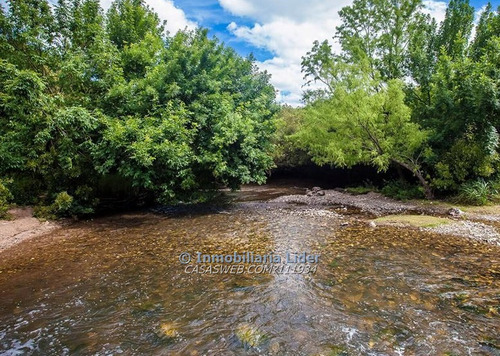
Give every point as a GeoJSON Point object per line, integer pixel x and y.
{"type": "Point", "coordinates": [116, 285]}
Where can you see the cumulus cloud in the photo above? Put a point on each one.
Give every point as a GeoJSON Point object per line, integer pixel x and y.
{"type": "Point", "coordinates": [436, 9]}
{"type": "Point", "coordinates": [166, 10]}
{"type": "Point", "coordinates": [287, 29]}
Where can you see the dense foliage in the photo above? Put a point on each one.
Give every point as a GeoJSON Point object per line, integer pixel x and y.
{"type": "Point", "coordinates": [407, 92]}
{"type": "Point", "coordinates": [95, 106]}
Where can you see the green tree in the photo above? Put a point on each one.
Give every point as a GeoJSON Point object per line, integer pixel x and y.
{"type": "Point", "coordinates": [286, 153]}
{"type": "Point", "coordinates": [129, 21]}
{"type": "Point", "coordinates": [88, 99]}
{"type": "Point", "coordinates": [364, 121]}
{"type": "Point", "coordinates": [378, 32]}
{"type": "Point", "coordinates": [456, 28]}
{"type": "Point", "coordinates": [464, 115]}
{"type": "Point", "coordinates": [227, 110]}
{"type": "Point", "coordinates": [488, 28]}
{"type": "Point", "coordinates": [28, 34]}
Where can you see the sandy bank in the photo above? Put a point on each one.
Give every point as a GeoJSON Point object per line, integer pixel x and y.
{"type": "Point", "coordinates": [22, 226]}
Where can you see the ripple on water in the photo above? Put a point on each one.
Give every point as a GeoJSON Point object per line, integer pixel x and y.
{"type": "Point", "coordinates": [115, 285]}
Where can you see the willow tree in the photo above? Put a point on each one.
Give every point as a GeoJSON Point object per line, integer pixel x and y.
{"type": "Point", "coordinates": [363, 121]}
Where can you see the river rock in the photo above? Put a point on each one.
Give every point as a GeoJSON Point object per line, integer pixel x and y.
{"type": "Point", "coordinates": [274, 348]}
{"type": "Point", "coordinates": [455, 212]}
{"type": "Point", "coordinates": [315, 191]}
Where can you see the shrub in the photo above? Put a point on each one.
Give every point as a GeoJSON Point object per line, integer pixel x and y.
{"type": "Point", "coordinates": [478, 192]}
{"type": "Point", "coordinates": [5, 198]}
{"type": "Point", "coordinates": [63, 205]}
{"type": "Point", "coordinates": [402, 190]}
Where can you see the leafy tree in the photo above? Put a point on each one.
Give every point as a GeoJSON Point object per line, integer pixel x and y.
{"type": "Point", "coordinates": [458, 100]}
{"type": "Point", "coordinates": [286, 153]}
{"type": "Point", "coordinates": [129, 21]}
{"type": "Point", "coordinates": [456, 28]}
{"type": "Point", "coordinates": [451, 89]}
{"type": "Point", "coordinates": [86, 23]}
{"type": "Point", "coordinates": [488, 28]}
{"type": "Point", "coordinates": [464, 115]}
{"type": "Point", "coordinates": [378, 32]}
{"type": "Point", "coordinates": [365, 122]}
{"type": "Point", "coordinates": [88, 99]}
{"type": "Point", "coordinates": [229, 106]}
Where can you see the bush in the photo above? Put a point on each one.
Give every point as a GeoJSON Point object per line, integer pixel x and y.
{"type": "Point", "coordinates": [44, 212]}
{"type": "Point", "coordinates": [5, 198]}
{"type": "Point", "coordinates": [402, 190]}
{"type": "Point", "coordinates": [26, 190]}
{"type": "Point", "coordinates": [62, 206]}
{"type": "Point", "coordinates": [478, 192]}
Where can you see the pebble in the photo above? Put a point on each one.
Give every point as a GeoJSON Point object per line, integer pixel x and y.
{"type": "Point", "coordinates": [471, 230]}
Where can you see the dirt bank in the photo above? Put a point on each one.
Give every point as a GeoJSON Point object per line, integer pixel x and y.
{"type": "Point", "coordinates": [22, 226]}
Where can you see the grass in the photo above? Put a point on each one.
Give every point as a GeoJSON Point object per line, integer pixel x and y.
{"type": "Point", "coordinates": [488, 209]}
{"type": "Point", "coordinates": [478, 193]}
{"type": "Point", "coordinates": [359, 190]}
{"type": "Point", "coordinates": [413, 220]}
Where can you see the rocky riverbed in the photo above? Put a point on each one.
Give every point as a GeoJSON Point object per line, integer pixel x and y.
{"type": "Point", "coordinates": [479, 225]}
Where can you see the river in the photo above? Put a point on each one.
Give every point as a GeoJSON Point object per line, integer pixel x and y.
{"type": "Point", "coordinates": [115, 285]}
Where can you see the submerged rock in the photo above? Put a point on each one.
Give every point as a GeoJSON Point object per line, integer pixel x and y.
{"type": "Point", "coordinates": [250, 336]}
{"type": "Point", "coordinates": [169, 330]}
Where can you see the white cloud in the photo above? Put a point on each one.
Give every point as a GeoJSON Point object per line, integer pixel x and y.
{"type": "Point", "coordinates": [166, 10]}
{"type": "Point", "coordinates": [238, 7]}
{"type": "Point", "coordinates": [265, 11]}
{"type": "Point", "coordinates": [436, 9]}
{"type": "Point", "coordinates": [287, 28]}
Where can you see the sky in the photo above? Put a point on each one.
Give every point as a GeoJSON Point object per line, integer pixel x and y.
{"type": "Point", "coordinates": [277, 32]}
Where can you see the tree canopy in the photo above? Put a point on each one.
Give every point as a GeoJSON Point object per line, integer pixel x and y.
{"type": "Point", "coordinates": [92, 103]}
{"type": "Point", "coordinates": [407, 91]}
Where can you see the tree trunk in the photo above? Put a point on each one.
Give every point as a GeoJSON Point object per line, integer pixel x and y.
{"type": "Point", "coordinates": [400, 171]}
{"type": "Point", "coordinates": [416, 172]}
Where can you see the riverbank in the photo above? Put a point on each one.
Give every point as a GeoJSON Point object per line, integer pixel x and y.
{"type": "Point", "coordinates": [476, 223]}
{"type": "Point", "coordinates": [22, 226]}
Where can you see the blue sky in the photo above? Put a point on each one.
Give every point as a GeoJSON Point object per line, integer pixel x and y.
{"type": "Point", "coordinates": [210, 14]}
{"type": "Point", "coordinates": [277, 32]}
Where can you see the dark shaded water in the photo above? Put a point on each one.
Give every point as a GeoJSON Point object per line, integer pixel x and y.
{"type": "Point", "coordinates": [116, 286]}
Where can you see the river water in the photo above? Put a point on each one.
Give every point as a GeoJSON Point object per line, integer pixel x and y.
{"type": "Point", "coordinates": [115, 285]}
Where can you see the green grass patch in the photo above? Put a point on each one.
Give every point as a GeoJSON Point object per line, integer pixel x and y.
{"type": "Point", "coordinates": [359, 190]}
{"type": "Point", "coordinates": [413, 220]}
{"type": "Point", "coordinates": [488, 209]}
